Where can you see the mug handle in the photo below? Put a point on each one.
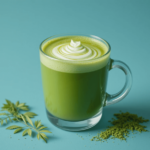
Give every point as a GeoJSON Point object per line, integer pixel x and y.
{"type": "Point", "coordinates": [114, 98]}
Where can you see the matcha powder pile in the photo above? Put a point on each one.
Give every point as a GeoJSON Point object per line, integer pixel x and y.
{"type": "Point", "coordinates": [124, 123]}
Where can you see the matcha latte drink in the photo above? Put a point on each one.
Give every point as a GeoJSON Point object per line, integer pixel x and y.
{"type": "Point", "coordinates": [74, 75]}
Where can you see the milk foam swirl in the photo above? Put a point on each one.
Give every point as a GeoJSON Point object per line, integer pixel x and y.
{"type": "Point", "coordinates": [75, 51]}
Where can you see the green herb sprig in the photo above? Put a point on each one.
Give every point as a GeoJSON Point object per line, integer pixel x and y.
{"type": "Point", "coordinates": [13, 114]}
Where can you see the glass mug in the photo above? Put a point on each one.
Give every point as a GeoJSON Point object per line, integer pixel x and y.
{"type": "Point", "coordinates": [75, 91]}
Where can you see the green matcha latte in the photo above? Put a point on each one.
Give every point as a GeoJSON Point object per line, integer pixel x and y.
{"type": "Point", "coordinates": [74, 76]}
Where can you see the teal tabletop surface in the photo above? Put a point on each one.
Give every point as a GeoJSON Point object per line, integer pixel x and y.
{"type": "Point", "coordinates": [24, 24]}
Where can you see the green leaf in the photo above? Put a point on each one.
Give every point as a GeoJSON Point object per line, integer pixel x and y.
{"type": "Point", "coordinates": [38, 124]}
{"type": "Point", "coordinates": [13, 127]}
{"type": "Point", "coordinates": [38, 136]}
{"type": "Point", "coordinates": [19, 116]}
{"type": "Point", "coordinates": [23, 118]}
{"type": "Point", "coordinates": [8, 102]}
{"type": "Point", "coordinates": [2, 109]}
{"type": "Point", "coordinates": [30, 114]}
{"type": "Point", "coordinates": [14, 119]}
{"type": "Point", "coordinates": [44, 135]}
{"type": "Point", "coordinates": [5, 105]}
{"type": "Point", "coordinates": [21, 104]}
{"type": "Point", "coordinates": [43, 138]}
{"type": "Point", "coordinates": [24, 108]}
{"type": "Point", "coordinates": [42, 128]}
{"type": "Point", "coordinates": [17, 103]}
{"type": "Point", "coordinates": [9, 119]}
{"type": "Point", "coordinates": [6, 120]}
{"type": "Point", "coordinates": [2, 114]}
{"type": "Point", "coordinates": [25, 132]}
{"type": "Point", "coordinates": [29, 120]}
{"type": "Point", "coordinates": [1, 122]}
{"type": "Point", "coordinates": [45, 131]}
{"type": "Point", "coordinates": [29, 132]}
{"type": "Point", "coordinates": [17, 130]}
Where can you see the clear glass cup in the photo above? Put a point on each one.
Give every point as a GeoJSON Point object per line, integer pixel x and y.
{"type": "Point", "coordinates": [82, 107]}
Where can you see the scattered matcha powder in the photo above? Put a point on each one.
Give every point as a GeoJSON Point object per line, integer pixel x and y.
{"type": "Point", "coordinates": [124, 123]}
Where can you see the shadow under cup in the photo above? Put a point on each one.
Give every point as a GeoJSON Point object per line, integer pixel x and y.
{"type": "Point", "coordinates": [75, 91]}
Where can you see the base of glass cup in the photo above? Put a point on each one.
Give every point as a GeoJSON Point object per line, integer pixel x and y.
{"type": "Point", "coordinates": [74, 125]}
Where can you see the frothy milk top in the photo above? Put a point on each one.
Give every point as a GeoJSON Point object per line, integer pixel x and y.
{"type": "Point", "coordinates": [74, 54]}
{"type": "Point", "coordinates": [75, 51]}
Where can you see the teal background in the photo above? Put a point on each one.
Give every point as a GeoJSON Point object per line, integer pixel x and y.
{"type": "Point", "coordinates": [125, 24]}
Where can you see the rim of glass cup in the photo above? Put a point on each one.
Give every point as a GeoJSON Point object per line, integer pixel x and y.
{"type": "Point", "coordinates": [86, 35]}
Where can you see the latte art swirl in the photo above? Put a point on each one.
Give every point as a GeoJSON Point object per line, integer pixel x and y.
{"type": "Point", "coordinates": [75, 51]}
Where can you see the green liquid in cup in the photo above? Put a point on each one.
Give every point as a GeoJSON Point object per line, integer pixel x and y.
{"type": "Point", "coordinates": [74, 90]}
